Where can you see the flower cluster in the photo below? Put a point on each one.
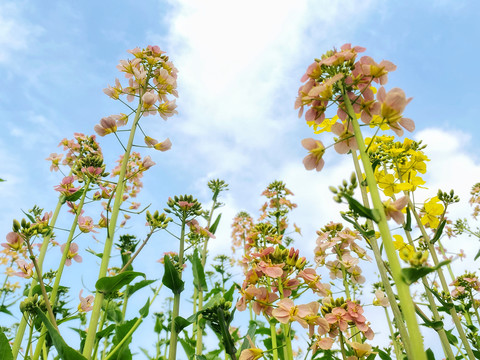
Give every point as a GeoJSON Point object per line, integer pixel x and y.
{"type": "Point", "coordinates": [339, 78]}
{"type": "Point", "coordinates": [341, 242]}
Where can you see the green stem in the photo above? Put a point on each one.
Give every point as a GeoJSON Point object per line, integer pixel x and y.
{"type": "Point", "coordinates": [100, 328]}
{"type": "Point", "coordinates": [132, 330]}
{"type": "Point", "coordinates": [443, 282]}
{"type": "Point", "coordinates": [97, 306]}
{"type": "Point", "coordinates": [396, 347]}
{"type": "Point", "coordinates": [41, 256]}
{"type": "Point", "coordinates": [176, 298]}
{"type": "Point", "coordinates": [406, 300]}
{"type": "Point", "coordinates": [61, 266]}
{"type": "Point", "coordinates": [273, 335]}
{"type": "Point", "coordinates": [433, 307]}
{"type": "Point", "coordinates": [199, 346]}
{"type": "Point", "coordinates": [288, 341]}
{"type": "Point", "coordinates": [382, 266]}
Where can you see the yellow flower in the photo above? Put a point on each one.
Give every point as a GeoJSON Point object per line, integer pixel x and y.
{"type": "Point", "coordinates": [433, 209]}
{"type": "Point", "coordinates": [388, 184]}
{"type": "Point", "coordinates": [325, 125]}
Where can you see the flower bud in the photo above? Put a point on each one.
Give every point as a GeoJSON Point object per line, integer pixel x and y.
{"type": "Point", "coordinates": [16, 225]}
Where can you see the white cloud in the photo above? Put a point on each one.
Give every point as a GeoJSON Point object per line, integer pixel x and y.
{"type": "Point", "coordinates": [15, 32]}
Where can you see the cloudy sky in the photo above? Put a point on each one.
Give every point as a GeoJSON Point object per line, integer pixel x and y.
{"type": "Point", "coordinates": [239, 69]}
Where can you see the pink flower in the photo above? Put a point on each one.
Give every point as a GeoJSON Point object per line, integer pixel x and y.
{"type": "Point", "coordinates": [147, 163]}
{"type": "Point", "coordinates": [107, 126]}
{"type": "Point", "coordinates": [85, 224]}
{"type": "Point", "coordinates": [14, 241]}
{"type": "Point", "coordinates": [314, 160]}
{"type": "Point", "coordinates": [197, 229]}
{"type": "Point", "coordinates": [71, 254]}
{"type": "Point", "coordinates": [86, 304]}
{"type": "Point", "coordinates": [287, 311]}
{"type": "Point", "coordinates": [392, 105]}
{"type": "Point", "coordinates": [393, 210]}
{"type": "Point", "coordinates": [55, 159]}
{"type": "Point", "coordinates": [66, 186]}
{"type": "Point", "coordinates": [377, 71]}
{"type": "Point", "coordinates": [340, 317]}
{"type": "Point", "coordinates": [162, 146]}
{"type": "Point", "coordinates": [167, 109]}
{"type": "Point", "coordinates": [381, 299]}
{"type": "Point", "coordinates": [272, 270]}
{"type": "Point", "coordinates": [251, 354]}
{"type": "Point", "coordinates": [26, 269]}
{"type": "Point", "coordinates": [312, 279]}
{"type": "Point", "coordinates": [346, 141]}
{"type": "Point", "coordinates": [263, 302]}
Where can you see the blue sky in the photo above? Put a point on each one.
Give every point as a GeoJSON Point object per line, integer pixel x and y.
{"type": "Point", "coordinates": [239, 69]}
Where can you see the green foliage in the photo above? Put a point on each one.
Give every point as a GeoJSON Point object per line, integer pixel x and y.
{"type": "Point", "coordinates": [110, 284]}
{"type": "Point", "coordinates": [171, 278]}
{"type": "Point", "coordinates": [5, 350]}
{"type": "Point", "coordinates": [198, 272]}
{"type": "Point", "coordinates": [412, 274]}
{"type": "Point", "coordinates": [121, 331]}
{"type": "Point", "coordinates": [64, 351]}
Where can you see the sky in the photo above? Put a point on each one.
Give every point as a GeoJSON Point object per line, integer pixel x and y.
{"type": "Point", "coordinates": [239, 69]}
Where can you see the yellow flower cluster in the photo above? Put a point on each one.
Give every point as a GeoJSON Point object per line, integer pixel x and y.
{"type": "Point", "coordinates": [398, 164]}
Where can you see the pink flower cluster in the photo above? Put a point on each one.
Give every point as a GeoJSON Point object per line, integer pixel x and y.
{"type": "Point", "coordinates": [337, 76]}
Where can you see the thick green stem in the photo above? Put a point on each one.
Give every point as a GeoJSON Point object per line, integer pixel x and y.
{"type": "Point", "coordinates": [396, 347]}
{"type": "Point", "coordinates": [41, 256]}
{"type": "Point", "coordinates": [97, 305]}
{"type": "Point", "coordinates": [273, 335]}
{"type": "Point", "coordinates": [406, 300]}
{"type": "Point", "coordinates": [441, 276]}
{"type": "Point", "coordinates": [172, 355]}
{"type": "Point", "coordinates": [382, 267]}
{"type": "Point", "coordinates": [433, 307]}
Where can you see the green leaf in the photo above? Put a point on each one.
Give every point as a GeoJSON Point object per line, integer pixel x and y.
{"type": "Point", "coordinates": [438, 233]}
{"type": "Point", "coordinates": [214, 226]}
{"type": "Point", "coordinates": [75, 196]}
{"type": "Point", "coordinates": [108, 285]}
{"type": "Point", "coordinates": [112, 311]}
{"type": "Point", "coordinates": [139, 285]}
{"type": "Point", "coordinates": [105, 332]}
{"type": "Point", "coordinates": [181, 323]}
{"type": "Point", "coordinates": [412, 274]}
{"type": "Point", "coordinates": [383, 355]}
{"type": "Point", "coordinates": [123, 353]}
{"type": "Point", "coordinates": [30, 217]}
{"type": "Point", "coordinates": [100, 255]}
{"type": "Point", "coordinates": [430, 355]}
{"type": "Point", "coordinates": [362, 210]}
{"type": "Point", "coordinates": [189, 349]}
{"type": "Point", "coordinates": [171, 279]}
{"type": "Point", "coordinates": [445, 304]}
{"type": "Point", "coordinates": [452, 339]}
{"type": "Point", "coordinates": [2, 180]}
{"type": "Point", "coordinates": [252, 327]}
{"type": "Point", "coordinates": [476, 256]}
{"type": "Point", "coordinates": [64, 351]}
{"type": "Point", "coordinates": [198, 272]}
{"type": "Point", "coordinates": [5, 310]}
{"type": "Point", "coordinates": [366, 234]}
{"type": "Point", "coordinates": [5, 350]}
{"type": "Point", "coordinates": [228, 296]}
{"type": "Point", "coordinates": [144, 310]}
